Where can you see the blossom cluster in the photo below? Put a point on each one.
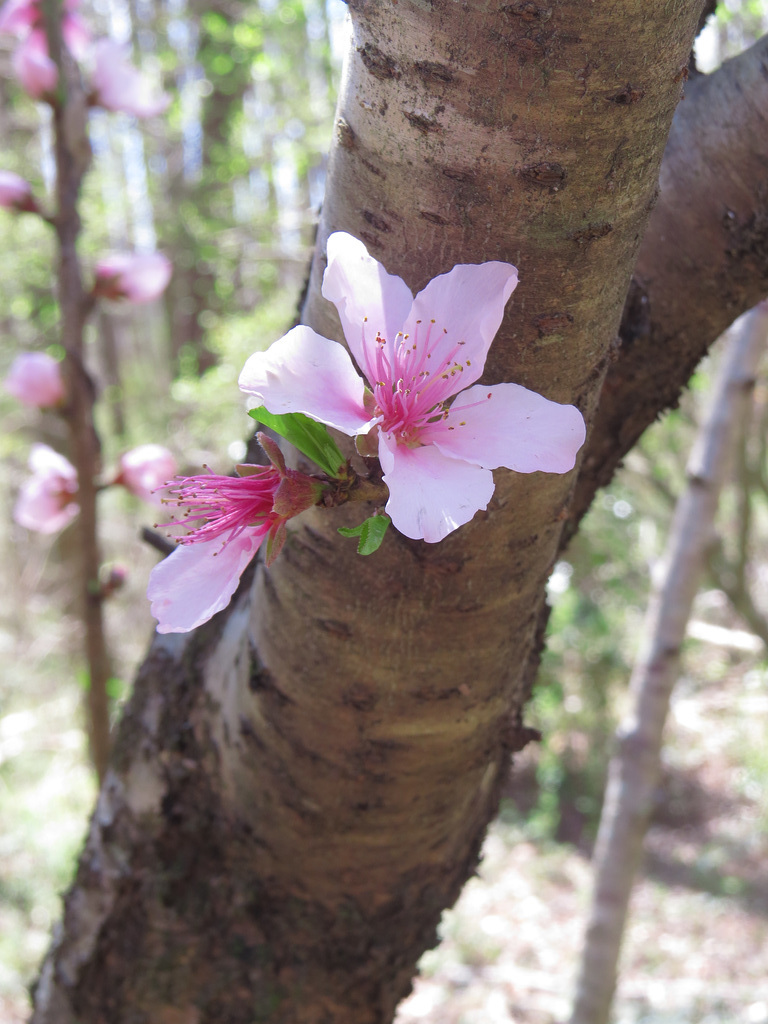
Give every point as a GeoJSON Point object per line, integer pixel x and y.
{"type": "Point", "coordinates": [436, 432]}
{"type": "Point", "coordinates": [48, 500]}
{"type": "Point", "coordinates": [227, 519]}
{"type": "Point", "coordinates": [416, 404]}
{"type": "Point", "coordinates": [114, 83]}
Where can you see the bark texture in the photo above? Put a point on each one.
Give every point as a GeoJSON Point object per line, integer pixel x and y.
{"type": "Point", "coordinates": [301, 786]}
{"type": "Point", "coordinates": [635, 766]}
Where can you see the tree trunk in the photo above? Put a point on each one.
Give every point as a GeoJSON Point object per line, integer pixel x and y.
{"type": "Point", "coordinates": [300, 787]}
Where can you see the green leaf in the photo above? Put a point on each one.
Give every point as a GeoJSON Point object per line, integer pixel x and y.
{"type": "Point", "coordinates": [309, 437]}
{"type": "Point", "coordinates": [371, 533]}
{"type": "Point", "coordinates": [116, 688]}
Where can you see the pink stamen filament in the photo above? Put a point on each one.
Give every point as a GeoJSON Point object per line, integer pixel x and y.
{"type": "Point", "coordinates": [408, 392]}
{"type": "Point", "coordinates": [225, 505]}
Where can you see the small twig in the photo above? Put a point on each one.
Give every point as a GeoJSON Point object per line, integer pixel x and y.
{"type": "Point", "coordinates": [157, 541]}
{"type": "Point", "coordinates": [72, 152]}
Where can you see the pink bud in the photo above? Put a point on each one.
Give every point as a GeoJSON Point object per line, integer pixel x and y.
{"type": "Point", "coordinates": [144, 469]}
{"type": "Point", "coordinates": [34, 68]}
{"type": "Point", "coordinates": [112, 578]}
{"type": "Point", "coordinates": [35, 379]}
{"type": "Point", "coordinates": [132, 276]}
{"type": "Point", "coordinates": [16, 193]}
{"type": "Point", "coordinates": [119, 86]}
{"type": "Point", "coordinates": [46, 502]}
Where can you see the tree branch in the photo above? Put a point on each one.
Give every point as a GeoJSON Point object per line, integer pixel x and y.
{"type": "Point", "coordinates": [703, 260]}
{"type": "Point", "coordinates": [72, 151]}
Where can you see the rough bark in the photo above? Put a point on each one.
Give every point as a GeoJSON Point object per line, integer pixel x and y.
{"type": "Point", "coordinates": [635, 766]}
{"type": "Point", "coordinates": [302, 786]}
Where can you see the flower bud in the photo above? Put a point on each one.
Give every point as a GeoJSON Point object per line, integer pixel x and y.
{"type": "Point", "coordinates": [144, 469]}
{"type": "Point", "coordinates": [46, 503]}
{"type": "Point", "coordinates": [16, 193]}
{"type": "Point", "coordinates": [35, 379]}
{"type": "Point", "coordinates": [137, 277]}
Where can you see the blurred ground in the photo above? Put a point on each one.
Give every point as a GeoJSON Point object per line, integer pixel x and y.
{"type": "Point", "coordinates": [697, 947]}
{"type": "Point", "coordinates": [696, 951]}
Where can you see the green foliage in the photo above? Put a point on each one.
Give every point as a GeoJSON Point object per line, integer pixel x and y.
{"type": "Point", "coordinates": [310, 437]}
{"type": "Point", "coordinates": [371, 533]}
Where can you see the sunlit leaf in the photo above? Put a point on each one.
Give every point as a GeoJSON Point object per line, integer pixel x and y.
{"type": "Point", "coordinates": [311, 438]}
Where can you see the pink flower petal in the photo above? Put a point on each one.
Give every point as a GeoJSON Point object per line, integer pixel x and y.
{"type": "Point", "coordinates": [304, 372]}
{"type": "Point", "coordinates": [368, 299]}
{"type": "Point", "coordinates": [45, 462]}
{"type": "Point", "coordinates": [119, 86]}
{"type": "Point", "coordinates": [16, 193]}
{"type": "Point", "coordinates": [144, 469]}
{"type": "Point", "coordinates": [39, 510]}
{"type": "Point", "coordinates": [13, 188]}
{"type": "Point", "coordinates": [467, 305]}
{"type": "Point", "coordinates": [18, 16]}
{"type": "Point", "coordinates": [34, 68]}
{"type": "Point", "coordinates": [76, 34]}
{"type": "Point", "coordinates": [137, 277]}
{"type": "Point", "coordinates": [35, 379]}
{"type": "Point", "coordinates": [198, 580]}
{"type": "Point", "coordinates": [430, 495]}
{"type": "Point", "coordinates": [45, 503]}
{"type": "Point", "coordinates": [508, 425]}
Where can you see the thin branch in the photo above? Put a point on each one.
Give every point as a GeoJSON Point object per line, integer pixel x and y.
{"type": "Point", "coordinates": [634, 768]}
{"type": "Point", "coordinates": [72, 151]}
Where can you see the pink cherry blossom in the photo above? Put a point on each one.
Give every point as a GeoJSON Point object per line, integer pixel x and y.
{"type": "Point", "coordinates": [32, 62]}
{"type": "Point", "coordinates": [230, 518]}
{"type": "Point", "coordinates": [16, 193]}
{"type": "Point", "coordinates": [46, 502]}
{"type": "Point", "coordinates": [145, 469]}
{"type": "Point", "coordinates": [34, 68]}
{"type": "Point", "coordinates": [137, 277]}
{"type": "Point", "coordinates": [417, 354]}
{"type": "Point", "coordinates": [35, 379]}
{"type": "Point", "coordinates": [19, 17]}
{"type": "Point", "coordinates": [119, 86]}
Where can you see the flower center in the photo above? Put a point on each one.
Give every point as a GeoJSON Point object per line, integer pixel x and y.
{"type": "Point", "coordinates": [412, 379]}
{"type": "Point", "coordinates": [213, 506]}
